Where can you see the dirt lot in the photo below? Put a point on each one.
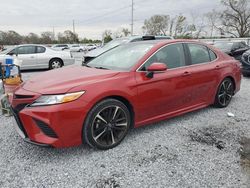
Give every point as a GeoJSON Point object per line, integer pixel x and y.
{"type": "Point", "coordinates": [205, 148]}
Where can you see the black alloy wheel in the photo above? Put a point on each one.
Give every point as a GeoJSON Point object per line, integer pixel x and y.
{"type": "Point", "coordinates": [225, 93]}
{"type": "Point", "coordinates": [107, 124]}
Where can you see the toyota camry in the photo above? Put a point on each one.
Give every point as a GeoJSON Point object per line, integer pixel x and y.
{"type": "Point", "coordinates": [130, 86]}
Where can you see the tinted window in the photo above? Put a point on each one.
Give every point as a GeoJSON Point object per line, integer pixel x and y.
{"type": "Point", "coordinates": [40, 49]}
{"type": "Point", "coordinates": [236, 46]}
{"type": "Point", "coordinates": [242, 45]}
{"type": "Point", "coordinates": [199, 53]}
{"type": "Point", "coordinates": [27, 50]}
{"type": "Point", "coordinates": [61, 45]}
{"type": "Point", "coordinates": [135, 40]}
{"type": "Point", "coordinates": [172, 55]}
{"type": "Point", "coordinates": [212, 55]}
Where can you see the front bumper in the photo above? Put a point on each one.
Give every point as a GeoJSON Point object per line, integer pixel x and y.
{"type": "Point", "coordinates": [56, 125]}
{"type": "Point", "coordinates": [69, 61]}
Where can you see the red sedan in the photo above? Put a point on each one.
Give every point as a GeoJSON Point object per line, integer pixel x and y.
{"type": "Point", "coordinates": [129, 86]}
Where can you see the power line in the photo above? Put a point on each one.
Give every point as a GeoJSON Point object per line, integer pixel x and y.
{"type": "Point", "coordinates": [74, 31]}
{"type": "Point", "coordinates": [132, 18]}
{"type": "Point", "coordinates": [103, 15]}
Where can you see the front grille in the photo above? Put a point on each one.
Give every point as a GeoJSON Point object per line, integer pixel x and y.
{"type": "Point", "coordinates": [23, 96]}
{"type": "Point", "coordinates": [15, 112]}
{"type": "Point", "coordinates": [45, 128]}
{"type": "Point", "coordinates": [19, 107]}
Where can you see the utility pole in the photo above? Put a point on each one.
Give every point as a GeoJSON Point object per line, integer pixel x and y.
{"type": "Point", "coordinates": [54, 36]}
{"type": "Point", "coordinates": [132, 18]}
{"type": "Point", "coordinates": [74, 31]}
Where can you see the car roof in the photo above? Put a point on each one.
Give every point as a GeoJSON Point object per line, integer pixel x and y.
{"type": "Point", "coordinates": [30, 45]}
{"type": "Point", "coordinates": [145, 37]}
{"type": "Point", "coordinates": [167, 41]}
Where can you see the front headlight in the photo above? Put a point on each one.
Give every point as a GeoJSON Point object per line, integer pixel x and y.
{"type": "Point", "coordinates": [56, 99]}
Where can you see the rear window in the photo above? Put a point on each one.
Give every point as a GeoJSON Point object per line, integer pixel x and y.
{"type": "Point", "coordinates": [199, 54]}
{"type": "Point", "coordinates": [40, 49]}
{"type": "Point", "coordinates": [213, 56]}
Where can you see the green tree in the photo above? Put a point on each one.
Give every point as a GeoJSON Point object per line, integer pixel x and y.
{"type": "Point", "coordinates": [10, 38]}
{"type": "Point", "coordinates": [125, 32]}
{"type": "Point", "coordinates": [68, 37]}
{"type": "Point", "coordinates": [32, 38]}
{"type": "Point", "coordinates": [107, 36]}
{"type": "Point", "coordinates": [156, 25]}
{"type": "Point", "coordinates": [180, 25]}
{"type": "Point", "coordinates": [47, 37]}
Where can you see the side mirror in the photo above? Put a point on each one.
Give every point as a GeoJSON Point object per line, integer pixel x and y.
{"type": "Point", "coordinates": [11, 53]}
{"type": "Point", "coordinates": [155, 67]}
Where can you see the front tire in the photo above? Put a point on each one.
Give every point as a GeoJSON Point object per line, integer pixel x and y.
{"type": "Point", "coordinates": [106, 124]}
{"type": "Point", "coordinates": [224, 94]}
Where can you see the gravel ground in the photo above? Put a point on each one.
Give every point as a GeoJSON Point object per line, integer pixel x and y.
{"type": "Point", "coordinates": [199, 149]}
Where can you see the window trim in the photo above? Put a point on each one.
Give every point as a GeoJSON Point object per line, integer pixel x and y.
{"type": "Point", "coordinates": [186, 44]}
{"type": "Point", "coordinates": [40, 47]}
{"type": "Point", "coordinates": [186, 64]}
{"type": "Point", "coordinates": [24, 47]}
{"type": "Point", "coordinates": [187, 56]}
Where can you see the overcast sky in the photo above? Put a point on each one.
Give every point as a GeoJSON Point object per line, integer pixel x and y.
{"type": "Point", "coordinates": [91, 17]}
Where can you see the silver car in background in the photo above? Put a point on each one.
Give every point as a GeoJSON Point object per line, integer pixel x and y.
{"type": "Point", "coordinates": [32, 56]}
{"type": "Point", "coordinates": [77, 48]}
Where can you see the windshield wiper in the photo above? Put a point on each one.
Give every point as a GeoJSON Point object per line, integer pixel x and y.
{"type": "Point", "coordinates": [85, 65]}
{"type": "Point", "coordinates": [102, 68]}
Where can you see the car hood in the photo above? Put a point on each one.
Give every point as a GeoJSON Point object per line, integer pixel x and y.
{"type": "Point", "coordinates": [62, 80]}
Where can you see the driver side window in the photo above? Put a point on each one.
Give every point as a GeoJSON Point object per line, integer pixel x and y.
{"type": "Point", "coordinates": [27, 50]}
{"type": "Point", "coordinates": [172, 55]}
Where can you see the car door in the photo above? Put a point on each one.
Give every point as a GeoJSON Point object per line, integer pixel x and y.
{"type": "Point", "coordinates": [204, 75]}
{"type": "Point", "coordinates": [166, 92]}
{"type": "Point", "coordinates": [42, 58]}
{"type": "Point", "coordinates": [27, 56]}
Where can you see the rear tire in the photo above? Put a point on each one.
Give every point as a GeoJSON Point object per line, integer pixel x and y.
{"type": "Point", "coordinates": [224, 94]}
{"type": "Point", "coordinates": [55, 64]}
{"type": "Point", "coordinates": [106, 124]}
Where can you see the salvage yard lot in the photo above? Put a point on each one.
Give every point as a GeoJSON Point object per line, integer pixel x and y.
{"type": "Point", "coordinates": [199, 149]}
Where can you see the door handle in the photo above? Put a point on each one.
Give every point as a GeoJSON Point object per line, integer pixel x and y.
{"type": "Point", "coordinates": [32, 57]}
{"type": "Point", "coordinates": [217, 67]}
{"type": "Point", "coordinates": [186, 73]}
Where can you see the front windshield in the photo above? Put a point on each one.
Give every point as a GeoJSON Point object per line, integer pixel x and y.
{"type": "Point", "coordinates": [114, 43]}
{"type": "Point", "coordinates": [224, 45]}
{"type": "Point", "coordinates": [122, 57]}
{"type": "Point", "coordinates": [7, 50]}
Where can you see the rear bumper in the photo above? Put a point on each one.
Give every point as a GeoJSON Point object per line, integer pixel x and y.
{"type": "Point", "coordinates": [70, 61]}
